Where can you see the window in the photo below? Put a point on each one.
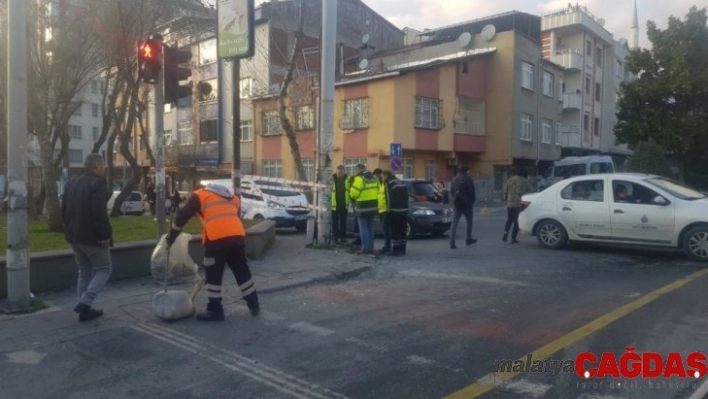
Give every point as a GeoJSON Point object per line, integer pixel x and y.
{"type": "Point", "coordinates": [427, 113]}
{"type": "Point", "coordinates": [75, 132]}
{"type": "Point", "coordinates": [76, 156]}
{"type": "Point", "coordinates": [247, 130]}
{"type": "Point", "coordinates": [356, 114]}
{"type": "Point", "coordinates": [309, 165]}
{"type": "Point", "coordinates": [431, 170]}
{"type": "Point", "coordinates": [526, 127]}
{"type": "Point", "coordinates": [350, 163]}
{"type": "Point", "coordinates": [77, 111]}
{"type": "Point", "coordinates": [271, 123]}
{"type": "Point", "coordinates": [96, 133]}
{"type": "Point", "coordinates": [547, 131]}
{"type": "Point", "coordinates": [596, 127]}
{"type": "Point", "coordinates": [586, 122]}
{"type": "Point", "coordinates": [598, 57]}
{"type": "Point", "coordinates": [558, 133]}
{"type": "Point", "coordinates": [246, 87]}
{"type": "Point", "coordinates": [305, 118]}
{"type": "Point", "coordinates": [598, 91]}
{"type": "Point", "coordinates": [547, 84]}
{"type": "Point", "coordinates": [601, 167]}
{"type": "Point", "coordinates": [208, 131]}
{"type": "Point", "coordinates": [585, 190]}
{"type": "Point", "coordinates": [94, 86]}
{"type": "Point", "coordinates": [628, 192]}
{"type": "Point", "coordinates": [207, 51]}
{"type": "Point", "coordinates": [94, 110]}
{"type": "Point", "coordinates": [469, 116]}
{"type": "Point", "coordinates": [527, 75]}
{"type": "Point", "coordinates": [588, 84]}
{"type": "Point", "coordinates": [272, 168]}
{"type": "Point", "coordinates": [184, 133]}
{"type": "Point", "coordinates": [588, 48]}
{"type": "Point", "coordinates": [408, 170]}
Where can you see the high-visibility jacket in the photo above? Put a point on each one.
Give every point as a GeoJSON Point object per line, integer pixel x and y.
{"type": "Point", "coordinates": [365, 192]}
{"type": "Point", "coordinates": [383, 198]}
{"type": "Point", "coordinates": [347, 186]}
{"type": "Point", "coordinates": [219, 216]}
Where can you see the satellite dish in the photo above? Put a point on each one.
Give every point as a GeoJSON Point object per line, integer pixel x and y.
{"type": "Point", "coordinates": [488, 32]}
{"type": "Point", "coordinates": [464, 39]}
{"type": "Point", "coordinates": [601, 21]}
{"type": "Point", "coordinates": [363, 64]}
{"type": "Point", "coordinates": [365, 39]}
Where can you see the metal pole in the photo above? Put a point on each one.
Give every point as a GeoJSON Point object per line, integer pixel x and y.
{"type": "Point", "coordinates": [328, 71]}
{"type": "Point", "coordinates": [18, 282]}
{"type": "Point", "coordinates": [160, 153]}
{"type": "Point", "coordinates": [236, 125]}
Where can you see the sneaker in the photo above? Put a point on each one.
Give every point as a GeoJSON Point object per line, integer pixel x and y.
{"type": "Point", "coordinates": [86, 313]}
{"type": "Point", "coordinates": [211, 315]}
{"type": "Point", "coordinates": [505, 237]}
{"type": "Point", "coordinates": [470, 241]}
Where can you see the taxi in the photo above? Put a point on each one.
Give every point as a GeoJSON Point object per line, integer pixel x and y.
{"type": "Point", "coordinates": [619, 208]}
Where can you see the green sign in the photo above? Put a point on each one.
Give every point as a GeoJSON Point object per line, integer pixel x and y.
{"type": "Point", "coordinates": [235, 37]}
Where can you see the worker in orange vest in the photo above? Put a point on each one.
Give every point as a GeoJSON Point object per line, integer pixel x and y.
{"type": "Point", "coordinates": [224, 240]}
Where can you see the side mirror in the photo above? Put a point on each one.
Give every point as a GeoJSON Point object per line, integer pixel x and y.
{"type": "Point", "coordinates": [659, 200]}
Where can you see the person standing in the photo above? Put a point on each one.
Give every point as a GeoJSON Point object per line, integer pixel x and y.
{"type": "Point", "coordinates": [397, 205]}
{"type": "Point", "coordinates": [514, 189]}
{"type": "Point", "coordinates": [463, 194]}
{"type": "Point", "coordinates": [340, 205]}
{"type": "Point", "coordinates": [88, 230]}
{"type": "Point", "coordinates": [383, 212]}
{"type": "Point", "coordinates": [365, 191]}
{"type": "Point", "coordinates": [224, 240]}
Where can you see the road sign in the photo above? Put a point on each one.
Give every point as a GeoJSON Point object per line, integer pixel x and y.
{"type": "Point", "coordinates": [396, 149]}
{"type": "Point", "coordinates": [395, 164]}
{"type": "Point", "coordinates": [235, 29]}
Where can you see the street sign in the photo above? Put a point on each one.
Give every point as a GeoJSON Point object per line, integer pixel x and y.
{"type": "Point", "coordinates": [235, 29]}
{"type": "Point", "coordinates": [396, 149]}
{"type": "Point", "coordinates": [395, 164]}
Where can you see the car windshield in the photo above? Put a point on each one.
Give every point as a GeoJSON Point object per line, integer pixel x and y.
{"type": "Point", "coordinates": [277, 189]}
{"type": "Point", "coordinates": [425, 188]}
{"type": "Point", "coordinates": [675, 188]}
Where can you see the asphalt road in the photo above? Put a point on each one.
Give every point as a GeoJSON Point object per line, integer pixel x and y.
{"type": "Point", "coordinates": [427, 325]}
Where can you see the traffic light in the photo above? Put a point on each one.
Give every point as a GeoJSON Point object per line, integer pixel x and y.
{"type": "Point", "coordinates": [174, 73]}
{"type": "Point", "coordinates": [149, 64]}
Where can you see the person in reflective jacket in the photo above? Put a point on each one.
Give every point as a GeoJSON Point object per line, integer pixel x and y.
{"type": "Point", "coordinates": [224, 240]}
{"type": "Point", "coordinates": [364, 192]}
{"type": "Point", "coordinates": [397, 205]}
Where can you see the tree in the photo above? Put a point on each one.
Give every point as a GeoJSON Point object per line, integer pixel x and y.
{"type": "Point", "coordinates": [668, 102]}
{"type": "Point", "coordinates": [650, 158]}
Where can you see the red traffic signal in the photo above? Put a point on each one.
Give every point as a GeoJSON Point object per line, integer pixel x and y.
{"type": "Point", "coordinates": [149, 64]}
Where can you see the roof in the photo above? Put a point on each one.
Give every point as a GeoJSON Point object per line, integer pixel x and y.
{"type": "Point", "coordinates": [503, 22]}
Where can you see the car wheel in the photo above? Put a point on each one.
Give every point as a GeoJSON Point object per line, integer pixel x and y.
{"type": "Point", "coordinates": [551, 234]}
{"type": "Point", "coordinates": [410, 233]}
{"type": "Point", "coordinates": [695, 243]}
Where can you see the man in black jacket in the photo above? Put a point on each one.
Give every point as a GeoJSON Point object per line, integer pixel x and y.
{"type": "Point", "coordinates": [397, 205]}
{"type": "Point", "coordinates": [463, 198]}
{"type": "Point", "coordinates": [88, 230]}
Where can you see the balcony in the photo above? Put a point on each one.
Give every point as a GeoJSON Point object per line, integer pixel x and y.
{"type": "Point", "coordinates": [572, 100]}
{"type": "Point", "coordinates": [570, 59]}
{"type": "Point", "coordinates": [577, 19]}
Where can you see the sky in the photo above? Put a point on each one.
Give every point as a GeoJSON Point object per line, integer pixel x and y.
{"type": "Point", "coordinates": [421, 14]}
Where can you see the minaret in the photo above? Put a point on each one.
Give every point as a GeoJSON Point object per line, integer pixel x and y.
{"type": "Point", "coordinates": [634, 31]}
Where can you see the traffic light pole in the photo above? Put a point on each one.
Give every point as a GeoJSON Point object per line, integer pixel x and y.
{"type": "Point", "coordinates": [18, 282]}
{"type": "Point", "coordinates": [160, 152]}
{"type": "Point", "coordinates": [236, 125]}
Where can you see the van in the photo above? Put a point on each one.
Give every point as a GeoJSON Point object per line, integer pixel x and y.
{"type": "Point", "coordinates": [261, 198]}
{"type": "Point", "coordinates": [132, 205]}
{"type": "Point", "coordinates": [576, 166]}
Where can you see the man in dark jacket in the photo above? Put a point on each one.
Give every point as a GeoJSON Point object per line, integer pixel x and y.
{"type": "Point", "coordinates": [397, 205]}
{"type": "Point", "coordinates": [340, 205]}
{"type": "Point", "coordinates": [88, 230]}
{"type": "Point", "coordinates": [463, 198]}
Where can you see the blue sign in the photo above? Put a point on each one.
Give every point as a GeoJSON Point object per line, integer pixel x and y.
{"type": "Point", "coordinates": [396, 149]}
{"type": "Point", "coordinates": [395, 164]}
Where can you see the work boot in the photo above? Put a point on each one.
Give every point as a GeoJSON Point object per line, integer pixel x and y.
{"type": "Point", "coordinates": [255, 309]}
{"type": "Point", "coordinates": [211, 315]}
{"type": "Point", "coordinates": [86, 313]}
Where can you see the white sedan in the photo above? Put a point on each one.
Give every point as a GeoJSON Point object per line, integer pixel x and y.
{"type": "Point", "coordinates": [619, 208]}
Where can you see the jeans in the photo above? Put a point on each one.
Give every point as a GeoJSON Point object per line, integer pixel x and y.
{"type": "Point", "coordinates": [95, 269]}
{"type": "Point", "coordinates": [339, 224]}
{"type": "Point", "coordinates": [512, 217]}
{"type": "Point", "coordinates": [386, 227]}
{"type": "Point", "coordinates": [366, 231]}
{"type": "Point", "coordinates": [457, 214]}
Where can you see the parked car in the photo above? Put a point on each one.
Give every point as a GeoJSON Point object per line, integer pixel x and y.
{"type": "Point", "coordinates": [133, 205]}
{"type": "Point", "coordinates": [575, 166]}
{"type": "Point", "coordinates": [423, 190]}
{"type": "Point", "coordinates": [424, 217]}
{"type": "Point", "coordinates": [263, 199]}
{"type": "Point", "coordinates": [619, 208]}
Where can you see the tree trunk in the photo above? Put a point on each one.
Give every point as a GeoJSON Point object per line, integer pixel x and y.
{"type": "Point", "coordinates": [134, 181]}
{"type": "Point", "coordinates": [49, 174]}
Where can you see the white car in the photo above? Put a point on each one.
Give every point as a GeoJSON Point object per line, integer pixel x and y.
{"type": "Point", "coordinates": [619, 208]}
{"type": "Point", "coordinates": [133, 205]}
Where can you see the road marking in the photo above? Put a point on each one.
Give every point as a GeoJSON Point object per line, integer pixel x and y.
{"type": "Point", "coordinates": [419, 360]}
{"type": "Point", "coordinates": [527, 388]}
{"type": "Point", "coordinates": [701, 392]}
{"type": "Point", "coordinates": [361, 342]}
{"type": "Point", "coordinates": [486, 383]}
{"type": "Point", "coordinates": [26, 357]}
{"type": "Point", "coordinates": [250, 368]}
{"type": "Point", "coordinates": [459, 277]}
{"type": "Point", "coordinates": [306, 327]}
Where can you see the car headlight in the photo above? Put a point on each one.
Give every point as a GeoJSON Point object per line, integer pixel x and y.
{"type": "Point", "coordinates": [275, 205]}
{"type": "Point", "coordinates": [424, 212]}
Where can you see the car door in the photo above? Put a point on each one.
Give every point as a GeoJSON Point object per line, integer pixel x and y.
{"type": "Point", "coordinates": [584, 208]}
{"type": "Point", "coordinates": [642, 214]}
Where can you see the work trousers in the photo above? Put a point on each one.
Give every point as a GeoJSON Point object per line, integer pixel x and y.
{"type": "Point", "coordinates": [215, 263]}
{"type": "Point", "coordinates": [512, 217]}
{"type": "Point", "coordinates": [95, 269]}
{"type": "Point", "coordinates": [339, 224]}
{"type": "Point", "coordinates": [386, 228]}
{"type": "Point", "coordinates": [399, 223]}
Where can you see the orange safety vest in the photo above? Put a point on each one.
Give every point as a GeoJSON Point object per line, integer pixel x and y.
{"type": "Point", "coordinates": [219, 216]}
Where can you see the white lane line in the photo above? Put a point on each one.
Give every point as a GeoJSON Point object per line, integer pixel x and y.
{"type": "Point", "coordinates": [701, 392]}
{"type": "Point", "coordinates": [306, 327]}
{"type": "Point", "coordinates": [459, 277]}
{"type": "Point", "coordinates": [589, 396]}
{"type": "Point", "coordinates": [419, 360]}
{"type": "Point", "coordinates": [528, 389]}
{"type": "Point", "coordinates": [361, 342]}
{"type": "Point", "coordinates": [267, 375]}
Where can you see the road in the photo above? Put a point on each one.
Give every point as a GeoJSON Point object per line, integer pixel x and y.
{"type": "Point", "coordinates": [427, 325]}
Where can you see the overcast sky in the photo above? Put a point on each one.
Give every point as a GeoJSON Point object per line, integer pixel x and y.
{"type": "Point", "coordinates": [421, 14]}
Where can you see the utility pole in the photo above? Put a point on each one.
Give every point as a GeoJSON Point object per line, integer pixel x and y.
{"type": "Point", "coordinates": [160, 149]}
{"type": "Point", "coordinates": [236, 125]}
{"type": "Point", "coordinates": [326, 133]}
{"type": "Point", "coordinates": [18, 282]}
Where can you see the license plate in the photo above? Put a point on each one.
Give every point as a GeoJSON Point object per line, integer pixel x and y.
{"type": "Point", "coordinates": [301, 217]}
{"type": "Point", "coordinates": [447, 220]}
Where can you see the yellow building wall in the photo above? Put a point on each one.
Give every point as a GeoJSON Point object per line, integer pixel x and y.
{"type": "Point", "coordinates": [448, 94]}
{"type": "Point", "coordinates": [404, 111]}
